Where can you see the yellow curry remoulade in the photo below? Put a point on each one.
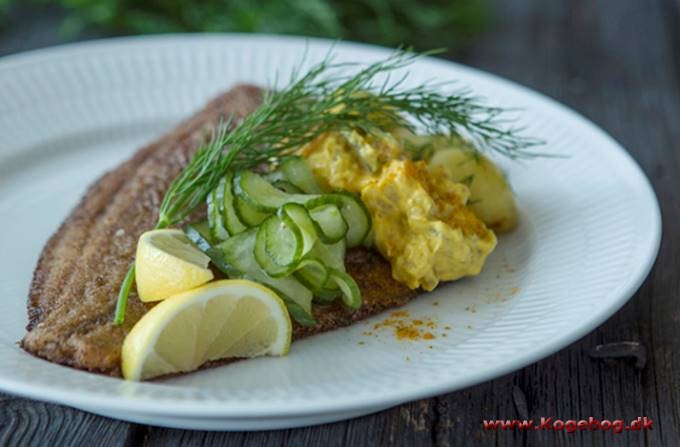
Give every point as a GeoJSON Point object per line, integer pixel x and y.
{"type": "Point", "coordinates": [420, 220]}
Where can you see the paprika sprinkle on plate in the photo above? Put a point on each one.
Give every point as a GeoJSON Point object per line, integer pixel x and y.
{"type": "Point", "coordinates": [407, 328]}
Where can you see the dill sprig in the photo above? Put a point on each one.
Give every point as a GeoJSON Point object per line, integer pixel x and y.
{"type": "Point", "coordinates": [327, 98]}
{"type": "Point", "coordinates": [197, 179]}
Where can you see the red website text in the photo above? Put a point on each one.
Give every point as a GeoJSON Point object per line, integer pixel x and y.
{"type": "Point", "coordinates": [571, 425]}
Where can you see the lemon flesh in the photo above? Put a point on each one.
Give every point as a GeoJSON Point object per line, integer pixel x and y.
{"type": "Point", "coordinates": [223, 319]}
{"type": "Point", "coordinates": [167, 263]}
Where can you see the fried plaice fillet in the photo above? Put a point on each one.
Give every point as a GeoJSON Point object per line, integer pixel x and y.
{"type": "Point", "coordinates": [75, 284]}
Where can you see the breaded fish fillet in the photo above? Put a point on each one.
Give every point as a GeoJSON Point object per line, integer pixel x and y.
{"type": "Point", "coordinates": [74, 290]}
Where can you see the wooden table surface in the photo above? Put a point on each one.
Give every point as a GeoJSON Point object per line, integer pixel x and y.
{"type": "Point", "coordinates": [618, 63]}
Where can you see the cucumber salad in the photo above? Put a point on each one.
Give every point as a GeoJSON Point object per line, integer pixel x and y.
{"type": "Point", "coordinates": [280, 229]}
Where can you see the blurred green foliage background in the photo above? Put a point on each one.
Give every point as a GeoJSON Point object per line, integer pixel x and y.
{"type": "Point", "coordinates": [422, 24]}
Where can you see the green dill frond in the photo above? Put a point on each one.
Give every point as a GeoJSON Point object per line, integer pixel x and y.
{"type": "Point", "coordinates": [196, 180]}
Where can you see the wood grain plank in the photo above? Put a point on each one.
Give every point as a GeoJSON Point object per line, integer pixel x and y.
{"type": "Point", "coordinates": [30, 423]}
{"type": "Point", "coordinates": [409, 425]}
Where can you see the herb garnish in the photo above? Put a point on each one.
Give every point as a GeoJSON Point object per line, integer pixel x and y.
{"type": "Point", "coordinates": [327, 99]}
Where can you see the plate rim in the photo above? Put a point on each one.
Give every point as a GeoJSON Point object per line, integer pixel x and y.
{"type": "Point", "coordinates": [217, 409]}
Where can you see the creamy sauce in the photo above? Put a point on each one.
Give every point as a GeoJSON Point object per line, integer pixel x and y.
{"type": "Point", "coordinates": [421, 223]}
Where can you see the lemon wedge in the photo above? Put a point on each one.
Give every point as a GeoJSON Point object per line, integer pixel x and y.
{"type": "Point", "coordinates": [167, 263]}
{"type": "Point", "coordinates": [223, 319]}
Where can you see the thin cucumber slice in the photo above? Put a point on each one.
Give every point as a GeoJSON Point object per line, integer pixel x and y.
{"type": "Point", "coordinates": [353, 211]}
{"type": "Point", "coordinates": [330, 255]}
{"type": "Point", "coordinates": [327, 295]}
{"type": "Point", "coordinates": [258, 192]}
{"type": "Point", "coordinates": [297, 172]}
{"type": "Point", "coordinates": [199, 234]}
{"type": "Point", "coordinates": [312, 274]}
{"type": "Point", "coordinates": [229, 217]}
{"type": "Point", "coordinates": [238, 251]}
{"type": "Point", "coordinates": [298, 312]}
{"type": "Point", "coordinates": [351, 295]}
{"type": "Point", "coordinates": [291, 290]}
{"type": "Point", "coordinates": [219, 261]}
{"type": "Point", "coordinates": [329, 223]}
{"type": "Point", "coordinates": [286, 186]}
{"type": "Point", "coordinates": [217, 229]}
{"type": "Point", "coordinates": [255, 198]}
{"type": "Point", "coordinates": [296, 214]}
{"type": "Point", "coordinates": [274, 176]}
{"type": "Point", "coordinates": [357, 217]}
{"type": "Point", "coordinates": [248, 215]}
{"type": "Point", "coordinates": [237, 254]}
{"type": "Point", "coordinates": [369, 240]}
{"type": "Point", "coordinates": [278, 246]}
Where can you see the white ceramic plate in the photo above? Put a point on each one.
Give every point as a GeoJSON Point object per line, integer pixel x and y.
{"type": "Point", "coordinates": [589, 233]}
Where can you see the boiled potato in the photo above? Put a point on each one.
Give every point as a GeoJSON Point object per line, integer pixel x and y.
{"type": "Point", "coordinates": [491, 198]}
